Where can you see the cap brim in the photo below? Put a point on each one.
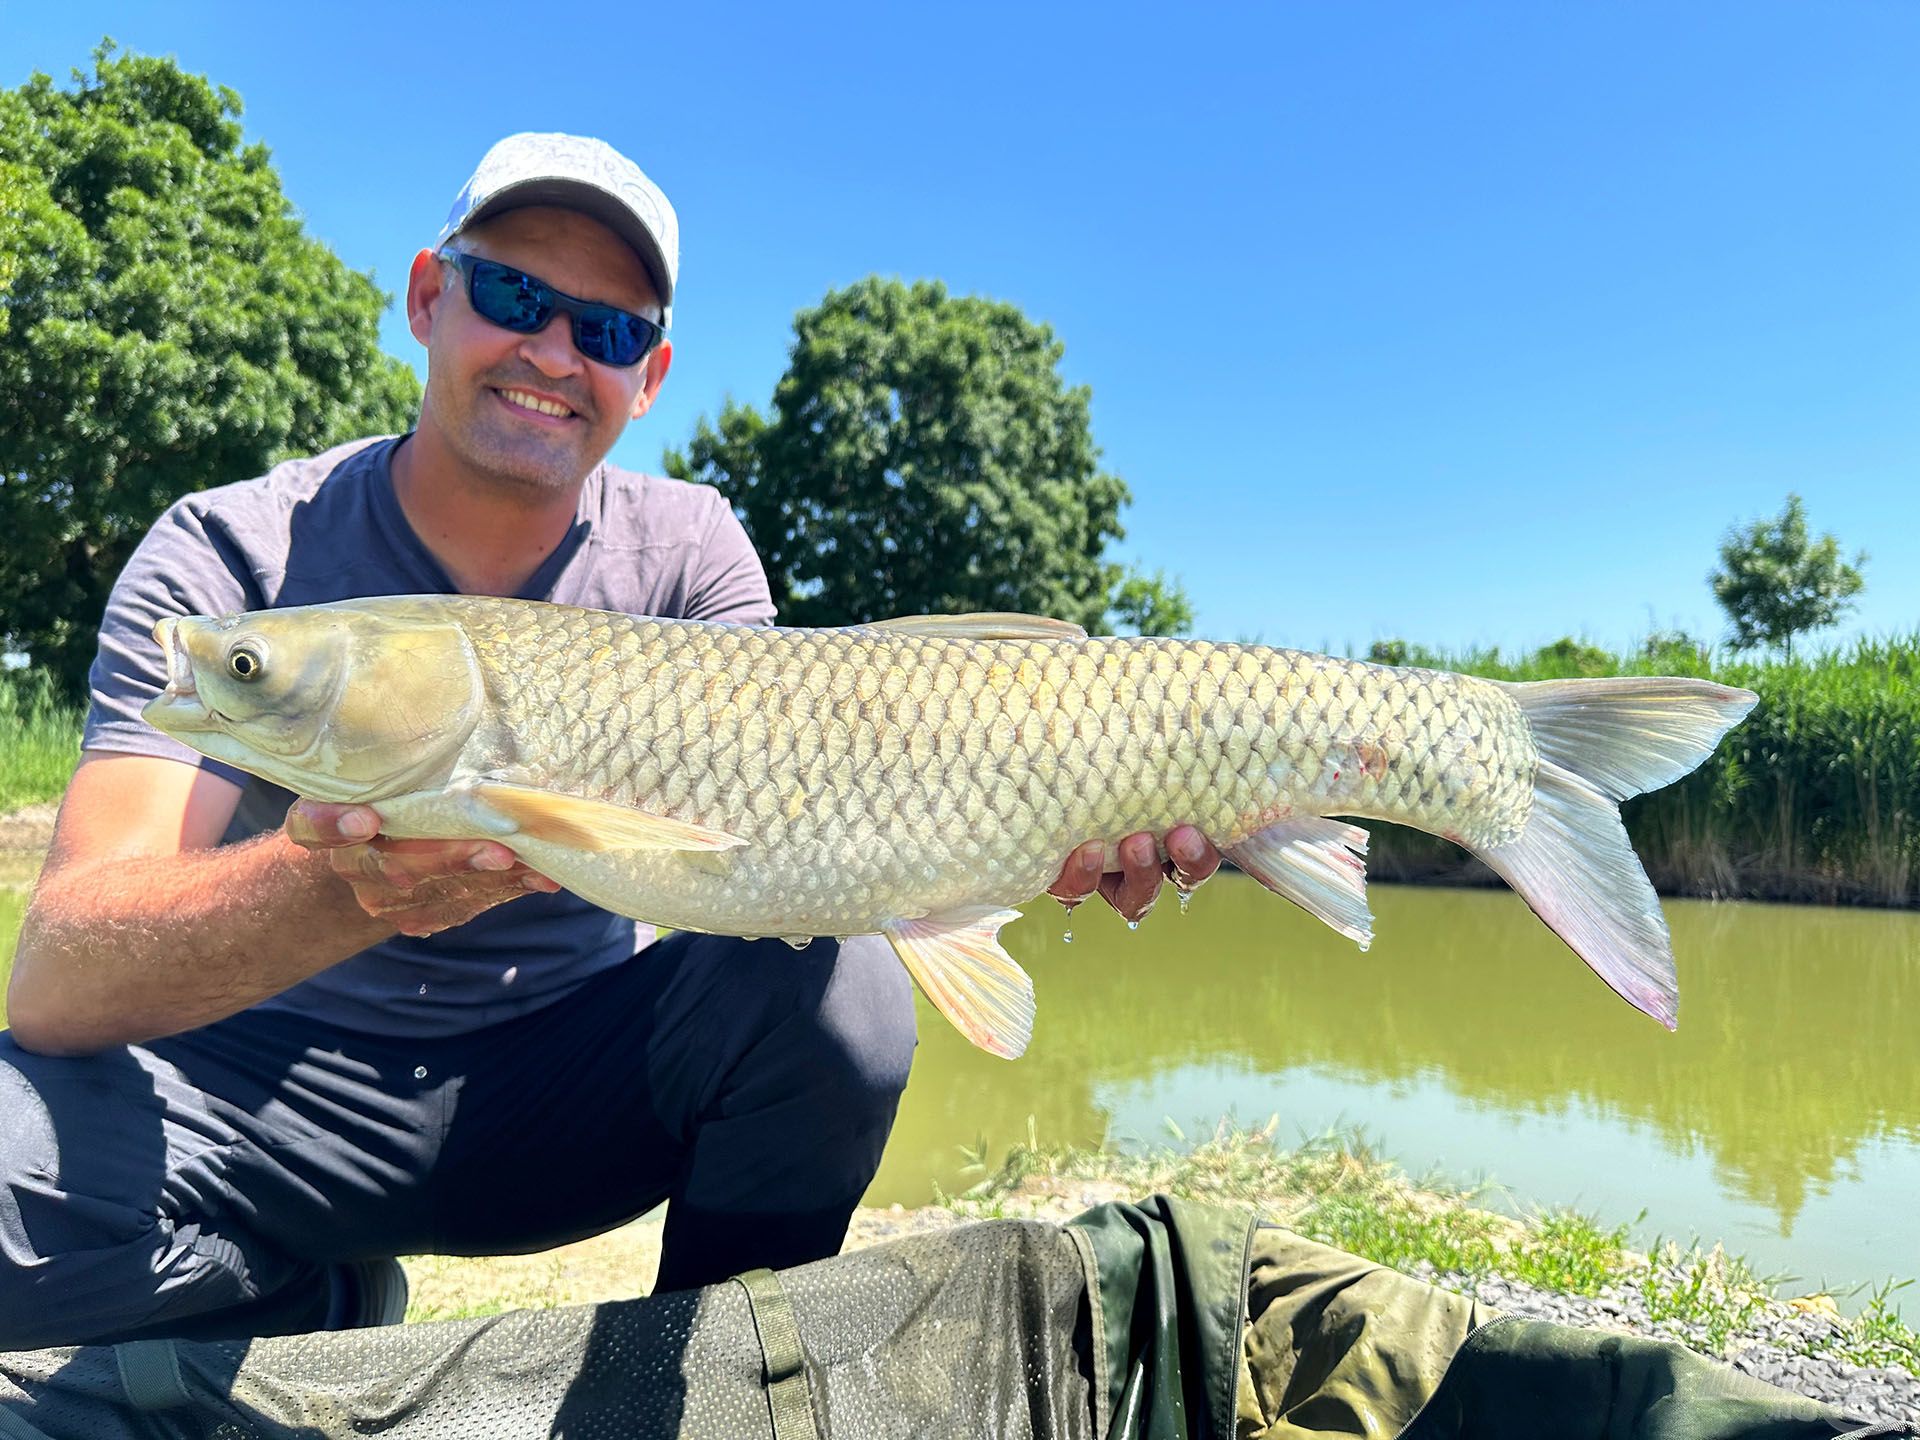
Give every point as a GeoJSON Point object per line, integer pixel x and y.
{"type": "Point", "coordinates": [588, 200]}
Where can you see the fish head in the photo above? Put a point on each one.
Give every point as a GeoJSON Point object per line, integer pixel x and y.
{"type": "Point", "coordinates": [349, 702]}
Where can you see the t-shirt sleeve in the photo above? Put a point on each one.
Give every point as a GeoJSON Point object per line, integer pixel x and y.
{"type": "Point", "coordinates": [728, 581]}
{"type": "Point", "coordinates": [178, 569]}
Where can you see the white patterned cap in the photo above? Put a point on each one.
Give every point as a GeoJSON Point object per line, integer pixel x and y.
{"type": "Point", "coordinates": [582, 174]}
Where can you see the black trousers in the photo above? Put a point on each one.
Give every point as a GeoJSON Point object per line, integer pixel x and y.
{"type": "Point", "coordinates": [203, 1184]}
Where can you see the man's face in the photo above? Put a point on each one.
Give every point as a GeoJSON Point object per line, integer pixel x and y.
{"type": "Point", "coordinates": [485, 383]}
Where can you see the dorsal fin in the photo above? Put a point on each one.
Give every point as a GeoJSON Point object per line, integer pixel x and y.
{"type": "Point", "coordinates": [987, 625]}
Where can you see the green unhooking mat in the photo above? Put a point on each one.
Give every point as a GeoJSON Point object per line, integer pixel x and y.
{"type": "Point", "coordinates": [1158, 1321]}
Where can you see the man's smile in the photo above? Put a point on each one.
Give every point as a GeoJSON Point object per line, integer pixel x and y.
{"type": "Point", "coordinates": [527, 400]}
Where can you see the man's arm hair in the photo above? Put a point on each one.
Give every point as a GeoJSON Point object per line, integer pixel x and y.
{"type": "Point", "coordinates": [144, 925]}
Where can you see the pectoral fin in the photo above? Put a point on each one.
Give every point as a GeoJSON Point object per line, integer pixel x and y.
{"type": "Point", "coordinates": [595, 824]}
{"type": "Point", "coordinates": [987, 625]}
{"type": "Point", "coordinates": [958, 962]}
{"type": "Point", "coordinates": [1317, 863]}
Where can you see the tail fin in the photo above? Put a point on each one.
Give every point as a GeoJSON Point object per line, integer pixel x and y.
{"type": "Point", "coordinates": [1601, 741]}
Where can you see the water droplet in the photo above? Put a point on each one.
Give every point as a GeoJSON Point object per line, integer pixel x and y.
{"type": "Point", "coordinates": [510, 974]}
{"type": "Point", "coordinates": [1184, 887]}
{"type": "Point", "coordinates": [1133, 924]}
{"type": "Point", "coordinates": [423, 989]}
{"type": "Point", "coordinates": [419, 1072]}
{"type": "Point", "coordinates": [1069, 906]}
{"type": "Point", "coordinates": [798, 942]}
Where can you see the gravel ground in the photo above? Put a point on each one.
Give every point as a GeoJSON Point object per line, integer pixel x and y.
{"type": "Point", "coordinates": [1761, 1351]}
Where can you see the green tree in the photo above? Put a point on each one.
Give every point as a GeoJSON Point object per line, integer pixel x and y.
{"type": "Point", "coordinates": [924, 455]}
{"type": "Point", "coordinates": [168, 325]}
{"type": "Point", "coordinates": [1151, 605]}
{"type": "Point", "coordinates": [1775, 582]}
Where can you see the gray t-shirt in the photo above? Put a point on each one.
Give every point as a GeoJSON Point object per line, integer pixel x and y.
{"type": "Point", "coordinates": [330, 528]}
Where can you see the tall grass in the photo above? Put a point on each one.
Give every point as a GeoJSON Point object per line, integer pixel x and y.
{"type": "Point", "coordinates": [39, 740]}
{"type": "Point", "coordinates": [1813, 797]}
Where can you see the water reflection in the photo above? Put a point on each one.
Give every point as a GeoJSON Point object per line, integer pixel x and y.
{"type": "Point", "coordinates": [1783, 1117]}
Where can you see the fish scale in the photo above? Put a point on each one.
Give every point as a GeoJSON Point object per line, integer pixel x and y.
{"type": "Point", "coordinates": [1138, 735]}
{"type": "Point", "coordinates": [917, 778]}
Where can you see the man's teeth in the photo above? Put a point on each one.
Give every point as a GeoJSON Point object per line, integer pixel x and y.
{"type": "Point", "coordinates": [534, 402]}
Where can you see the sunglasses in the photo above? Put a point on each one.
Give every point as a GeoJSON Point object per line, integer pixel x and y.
{"type": "Point", "coordinates": [523, 303]}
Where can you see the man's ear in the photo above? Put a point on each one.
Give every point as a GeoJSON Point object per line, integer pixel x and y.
{"type": "Point", "coordinates": [426, 284]}
{"type": "Point", "coordinates": [658, 363]}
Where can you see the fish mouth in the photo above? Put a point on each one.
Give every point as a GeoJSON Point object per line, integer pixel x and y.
{"type": "Point", "coordinates": [180, 705]}
{"type": "Point", "coordinates": [179, 663]}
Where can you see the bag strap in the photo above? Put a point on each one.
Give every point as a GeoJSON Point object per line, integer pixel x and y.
{"type": "Point", "coordinates": [781, 1353]}
{"type": "Point", "coordinates": [150, 1374]}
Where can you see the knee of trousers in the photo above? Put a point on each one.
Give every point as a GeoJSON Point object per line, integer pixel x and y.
{"type": "Point", "coordinates": [838, 1023]}
{"type": "Point", "coordinates": [84, 1238]}
{"type": "Point", "coordinates": [867, 1013]}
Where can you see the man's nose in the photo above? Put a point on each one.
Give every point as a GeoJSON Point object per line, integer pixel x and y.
{"type": "Point", "coordinates": [550, 348]}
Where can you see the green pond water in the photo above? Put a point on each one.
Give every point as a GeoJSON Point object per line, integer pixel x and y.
{"type": "Point", "coordinates": [1783, 1118]}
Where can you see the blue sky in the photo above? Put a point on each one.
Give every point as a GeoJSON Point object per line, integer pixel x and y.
{"type": "Point", "coordinates": [1474, 323]}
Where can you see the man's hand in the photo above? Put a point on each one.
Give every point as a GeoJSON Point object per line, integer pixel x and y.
{"type": "Point", "coordinates": [419, 886]}
{"type": "Point", "coordinates": [1134, 889]}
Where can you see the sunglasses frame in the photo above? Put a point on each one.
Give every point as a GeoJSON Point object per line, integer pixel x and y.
{"type": "Point", "coordinates": [550, 302]}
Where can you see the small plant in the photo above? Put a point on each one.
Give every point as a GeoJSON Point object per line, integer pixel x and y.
{"type": "Point", "coordinates": [1570, 1253]}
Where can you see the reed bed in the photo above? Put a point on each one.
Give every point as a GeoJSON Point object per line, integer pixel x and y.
{"type": "Point", "coordinates": [1813, 797]}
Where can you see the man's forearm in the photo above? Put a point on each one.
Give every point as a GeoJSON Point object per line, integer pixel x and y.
{"type": "Point", "coordinates": [121, 950]}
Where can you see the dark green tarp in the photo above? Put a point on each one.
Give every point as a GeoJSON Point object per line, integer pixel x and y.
{"type": "Point", "coordinates": [1159, 1321]}
{"type": "Point", "coordinates": [1213, 1326]}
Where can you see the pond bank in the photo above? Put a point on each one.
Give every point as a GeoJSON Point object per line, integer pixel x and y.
{"type": "Point", "coordinates": [26, 833]}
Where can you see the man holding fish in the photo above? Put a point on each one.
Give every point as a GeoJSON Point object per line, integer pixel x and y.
{"type": "Point", "coordinates": [257, 1052]}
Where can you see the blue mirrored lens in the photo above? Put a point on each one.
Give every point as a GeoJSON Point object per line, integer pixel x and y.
{"type": "Point", "coordinates": [612, 337]}
{"type": "Point", "coordinates": [518, 301]}
{"type": "Point", "coordinates": [507, 297]}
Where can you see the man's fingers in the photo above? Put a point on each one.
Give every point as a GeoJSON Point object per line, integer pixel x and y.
{"type": "Point", "coordinates": [1133, 891]}
{"type": "Point", "coordinates": [406, 863]}
{"type": "Point", "coordinates": [1080, 876]}
{"type": "Point", "coordinates": [1192, 856]}
{"type": "Point", "coordinates": [436, 905]}
{"type": "Point", "coordinates": [318, 825]}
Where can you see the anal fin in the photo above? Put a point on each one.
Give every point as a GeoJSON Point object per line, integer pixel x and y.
{"type": "Point", "coordinates": [584, 824]}
{"type": "Point", "coordinates": [957, 961]}
{"type": "Point", "coordinates": [1317, 863]}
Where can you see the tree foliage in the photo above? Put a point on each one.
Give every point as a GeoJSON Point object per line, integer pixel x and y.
{"type": "Point", "coordinates": [168, 325]}
{"type": "Point", "coordinates": [924, 455]}
{"type": "Point", "coordinates": [1775, 582]}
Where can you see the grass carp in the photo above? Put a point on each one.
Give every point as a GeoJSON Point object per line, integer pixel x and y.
{"type": "Point", "coordinates": [919, 777]}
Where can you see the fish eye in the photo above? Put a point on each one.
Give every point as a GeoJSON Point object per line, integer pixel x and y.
{"type": "Point", "coordinates": [247, 660]}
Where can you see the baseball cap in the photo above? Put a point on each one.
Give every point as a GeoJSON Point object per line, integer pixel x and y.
{"type": "Point", "coordinates": [578, 173]}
